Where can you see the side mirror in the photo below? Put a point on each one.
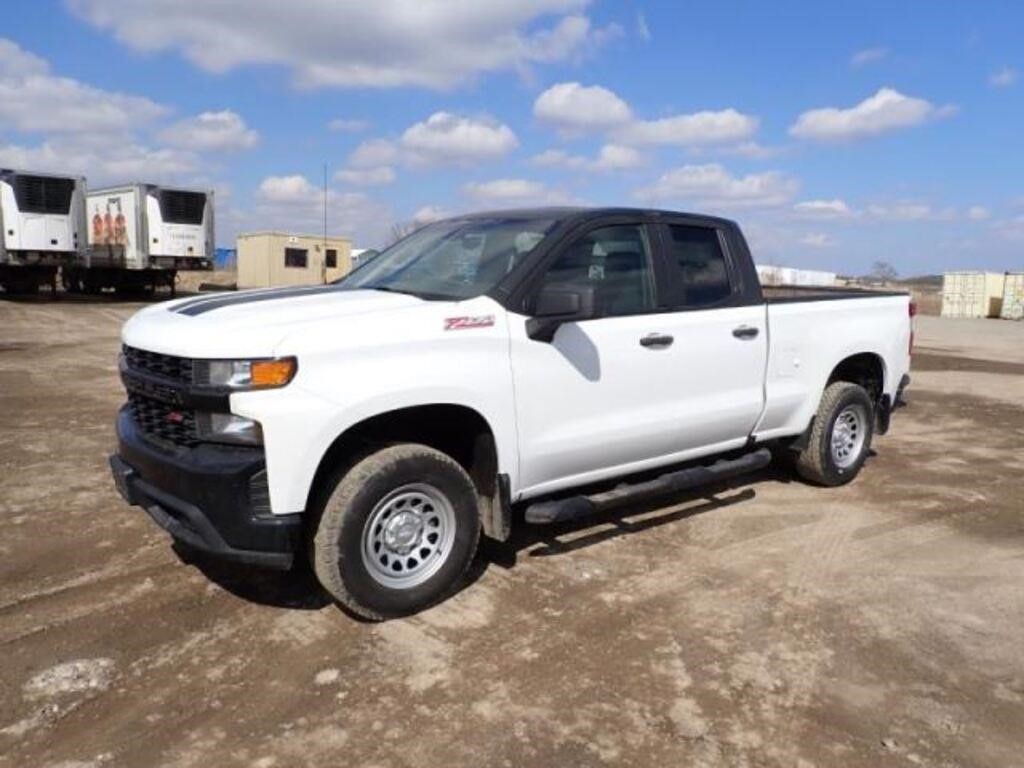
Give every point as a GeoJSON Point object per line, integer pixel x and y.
{"type": "Point", "coordinates": [554, 306]}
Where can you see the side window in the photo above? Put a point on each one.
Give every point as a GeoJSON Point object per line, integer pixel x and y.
{"type": "Point", "coordinates": [613, 261]}
{"type": "Point", "coordinates": [295, 257]}
{"type": "Point", "coordinates": [332, 258]}
{"type": "Point", "coordinates": [697, 252]}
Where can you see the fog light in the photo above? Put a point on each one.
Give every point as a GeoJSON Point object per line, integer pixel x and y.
{"type": "Point", "coordinates": [228, 428]}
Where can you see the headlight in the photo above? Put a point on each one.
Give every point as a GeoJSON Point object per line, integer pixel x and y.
{"type": "Point", "coordinates": [228, 428]}
{"type": "Point", "coordinates": [246, 374]}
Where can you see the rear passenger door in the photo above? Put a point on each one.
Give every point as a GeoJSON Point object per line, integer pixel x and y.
{"type": "Point", "coordinates": [720, 336]}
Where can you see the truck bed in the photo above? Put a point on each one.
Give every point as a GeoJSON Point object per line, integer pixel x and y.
{"type": "Point", "coordinates": [790, 294]}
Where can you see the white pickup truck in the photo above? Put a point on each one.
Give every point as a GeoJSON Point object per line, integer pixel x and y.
{"type": "Point", "coordinates": [554, 362]}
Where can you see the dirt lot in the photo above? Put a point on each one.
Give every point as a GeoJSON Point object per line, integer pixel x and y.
{"type": "Point", "coordinates": [764, 623]}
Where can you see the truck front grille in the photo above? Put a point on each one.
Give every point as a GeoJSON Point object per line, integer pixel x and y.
{"type": "Point", "coordinates": [163, 422]}
{"type": "Point", "coordinates": [170, 367]}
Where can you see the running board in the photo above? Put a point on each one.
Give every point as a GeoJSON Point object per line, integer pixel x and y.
{"type": "Point", "coordinates": [575, 507]}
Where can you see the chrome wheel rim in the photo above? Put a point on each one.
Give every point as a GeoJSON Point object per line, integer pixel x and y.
{"type": "Point", "coordinates": [408, 536]}
{"type": "Point", "coordinates": [848, 434]}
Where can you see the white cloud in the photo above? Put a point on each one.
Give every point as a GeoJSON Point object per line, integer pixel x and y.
{"type": "Point", "coordinates": [867, 56]}
{"type": "Point", "coordinates": [611, 157]}
{"type": "Point", "coordinates": [642, 30]}
{"type": "Point", "coordinates": [429, 213]}
{"type": "Point", "coordinates": [1004, 78]}
{"type": "Point", "coordinates": [823, 209]}
{"type": "Point", "coordinates": [288, 189]}
{"type": "Point", "coordinates": [448, 139]}
{"type": "Point", "coordinates": [888, 110]}
{"type": "Point", "coordinates": [373, 153]}
{"type": "Point", "coordinates": [223, 131]}
{"type": "Point", "coordinates": [978, 213]}
{"type": "Point", "coordinates": [347, 125]}
{"type": "Point", "coordinates": [712, 185]}
{"type": "Point", "coordinates": [509, 192]}
{"type": "Point", "coordinates": [294, 204]}
{"type": "Point", "coordinates": [905, 211]}
{"type": "Point", "coordinates": [102, 163]}
{"type": "Point", "coordinates": [366, 177]}
{"type": "Point", "coordinates": [706, 127]}
{"type": "Point", "coordinates": [352, 43]}
{"type": "Point", "coordinates": [574, 107]}
{"type": "Point", "coordinates": [817, 240]}
{"type": "Point", "coordinates": [753, 150]}
{"type": "Point", "coordinates": [33, 100]}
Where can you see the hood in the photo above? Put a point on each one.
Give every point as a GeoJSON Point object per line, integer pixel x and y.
{"type": "Point", "coordinates": [250, 323]}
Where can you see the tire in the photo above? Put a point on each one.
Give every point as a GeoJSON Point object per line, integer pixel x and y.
{"type": "Point", "coordinates": [846, 407]}
{"type": "Point", "coordinates": [379, 570]}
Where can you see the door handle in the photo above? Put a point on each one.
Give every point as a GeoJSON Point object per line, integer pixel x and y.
{"type": "Point", "coordinates": [656, 340]}
{"type": "Point", "coordinates": [745, 332]}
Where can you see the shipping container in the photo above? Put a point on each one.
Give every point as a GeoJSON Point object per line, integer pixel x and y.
{"type": "Point", "coordinates": [140, 235]}
{"type": "Point", "coordinates": [972, 294]}
{"type": "Point", "coordinates": [42, 227]}
{"type": "Point", "coordinates": [771, 275]}
{"type": "Point", "coordinates": [1013, 296]}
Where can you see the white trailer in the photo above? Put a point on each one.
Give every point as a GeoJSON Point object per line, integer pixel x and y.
{"type": "Point", "coordinates": [140, 235]}
{"type": "Point", "coordinates": [42, 221]}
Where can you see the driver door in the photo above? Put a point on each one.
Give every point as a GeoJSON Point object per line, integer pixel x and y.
{"type": "Point", "coordinates": [602, 393]}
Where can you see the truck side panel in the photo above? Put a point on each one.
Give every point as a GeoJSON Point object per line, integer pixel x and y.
{"type": "Point", "coordinates": [808, 339]}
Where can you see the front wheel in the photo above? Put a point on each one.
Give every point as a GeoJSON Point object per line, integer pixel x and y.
{"type": "Point", "coordinates": [841, 436]}
{"type": "Point", "coordinates": [398, 532]}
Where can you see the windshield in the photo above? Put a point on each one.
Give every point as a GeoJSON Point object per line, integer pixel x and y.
{"type": "Point", "coordinates": [455, 259]}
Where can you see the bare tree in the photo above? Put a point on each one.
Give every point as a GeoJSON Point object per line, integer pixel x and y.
{"type": "Point", "coordinates": [400, 229]}
{"type": "Point", "coordinates": [883, 271]}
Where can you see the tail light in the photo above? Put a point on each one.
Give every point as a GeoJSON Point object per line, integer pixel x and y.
{"type": "Point", "coordinates": [912, 312]}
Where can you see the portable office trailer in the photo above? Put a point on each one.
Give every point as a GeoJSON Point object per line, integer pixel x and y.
{"type": "Point", "coordinates": [42, 221]}
{"type": "Point", "coordinates": [268, 259]}
{"type": "Point", "coordinates": [972, 294]}
{"type": "Point", "coordinates": [140, 235]}
{"type": "Point", "coordinates": [1013, 296]}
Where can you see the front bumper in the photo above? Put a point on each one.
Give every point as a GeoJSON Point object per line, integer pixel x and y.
{"type": "Point", "coordinates": [210, 498]}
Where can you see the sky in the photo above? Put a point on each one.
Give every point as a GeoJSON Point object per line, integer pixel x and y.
{"type": "Point", "coordinates": [837, 134]}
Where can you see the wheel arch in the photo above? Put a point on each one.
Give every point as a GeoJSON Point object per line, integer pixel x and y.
{"type": "Point", "coordinates": [866, 369]}
{"type": "Point", "coordinates": [457, 430]}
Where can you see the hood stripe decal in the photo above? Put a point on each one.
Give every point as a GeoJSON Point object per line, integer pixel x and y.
{"type": "Point", "coordinates": [208, 304]}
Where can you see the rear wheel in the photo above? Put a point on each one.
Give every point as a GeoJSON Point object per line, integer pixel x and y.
{"type": "Point", "coordinates": [841, 436]}
{"type": "Point", "coordinates": [398, 532]}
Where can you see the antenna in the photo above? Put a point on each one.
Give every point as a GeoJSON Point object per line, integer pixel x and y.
{"type": "Point", "coordinates": [323, 259]}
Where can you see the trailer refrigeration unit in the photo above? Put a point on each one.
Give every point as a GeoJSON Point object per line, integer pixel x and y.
{"type": "Point", "coordinates": [42, 227]}
{"type": "Point", "coordinates": [140, 235]}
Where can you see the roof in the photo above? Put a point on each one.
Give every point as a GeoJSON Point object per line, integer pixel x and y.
{"type": "Point", "coordinates": [582, 213]}
{"type": "Point", "coordinates": [305, 236]}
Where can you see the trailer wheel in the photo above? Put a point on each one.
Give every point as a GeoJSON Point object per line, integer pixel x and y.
{"type": "Point", "coordinates": [840, 438]}
{"type": "Point", "coordinates": [398, 532]}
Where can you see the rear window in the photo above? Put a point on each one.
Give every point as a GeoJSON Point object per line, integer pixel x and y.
{"type": "Point", "coordinates": [178, 207]}
{"type": "Point", "coordinates": [43, 194]}
{"type": "Point", "coordinates": [697, 252]}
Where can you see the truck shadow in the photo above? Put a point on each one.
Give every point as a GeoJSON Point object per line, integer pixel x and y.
{"type": "Point", "coordinates": [298, 588]}
{"type": "Point", "coordinates": [625, 520]}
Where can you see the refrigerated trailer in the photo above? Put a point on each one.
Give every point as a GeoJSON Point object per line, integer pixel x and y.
{"type": "Point", "coordinates": [141, 235]}
{"type": "Point", "coordinates": [42, 221]}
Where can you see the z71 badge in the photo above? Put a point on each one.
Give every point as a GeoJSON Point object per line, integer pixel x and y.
{"type": "Point", "coordinates": [462, 323]}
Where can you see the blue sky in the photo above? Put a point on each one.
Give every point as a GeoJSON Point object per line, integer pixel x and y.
{"type": "Point", "coordinates": [837, 134]}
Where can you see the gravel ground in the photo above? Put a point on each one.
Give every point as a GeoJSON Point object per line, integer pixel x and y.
{"type": "Point", "coordinates": [761, 623]}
